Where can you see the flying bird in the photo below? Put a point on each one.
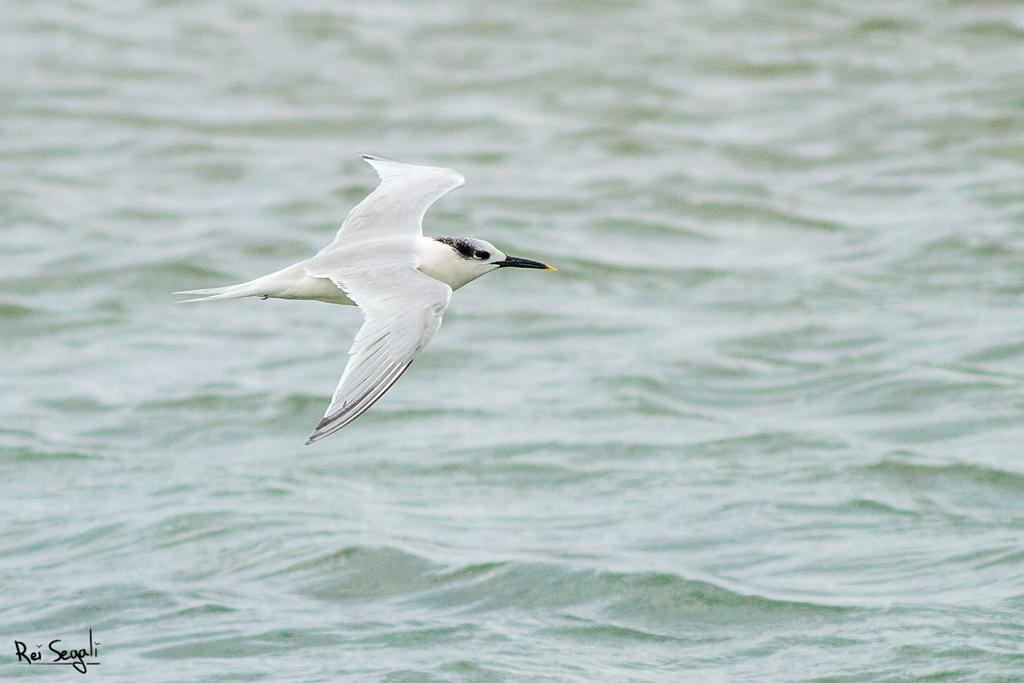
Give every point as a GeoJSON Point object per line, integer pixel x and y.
{"type": "Point", "coordinates": [401, 281]}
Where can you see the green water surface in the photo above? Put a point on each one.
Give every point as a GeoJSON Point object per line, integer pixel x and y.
{"type": "Point", "coordinates": [764, 424]}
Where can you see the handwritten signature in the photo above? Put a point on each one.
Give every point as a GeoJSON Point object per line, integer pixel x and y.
{"type": "Point", "coordinates": [60, 656]}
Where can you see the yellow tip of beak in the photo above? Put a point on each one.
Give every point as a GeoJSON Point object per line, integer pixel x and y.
{"type": "Point", "coordinates": [547, 267]}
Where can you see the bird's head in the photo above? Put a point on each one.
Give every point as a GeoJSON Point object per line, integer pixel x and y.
{"type": "Point", "coordinates": [464, 259]}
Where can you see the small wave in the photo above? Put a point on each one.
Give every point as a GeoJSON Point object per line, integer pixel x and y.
{"type": "Point", "coordinates": [512, 584]}
{"type": "Point", "coordinates": [637, 227]}
{"type": "Point", "coordinates": [588, 630]}
{"type": "Point", "coordinates": [206, 645]}
{"type": "Point", "coordinates": [625, 606]}
{"type": "Point", "coordinates": [190, 527]}
{"type": "Point", "coordinates": [624, 600]}
{"type": "Point", "coordinates": [951, 472]}
{"type": "Point", "coordinates": [167, 274]}
{"type": "Point", "coordinates": [31, 454]}
{"type": "Point", "coordinates": [93, 607]}
{"type": "Point", "coordinates": [358, 572]}
{"type": "Point", "coordinates": [897, 394]}
{"type": "Point", "coordinates": [744, 211]}
{"type": "Point", "coordinates": [77, 404]}
{"type": "Point", "coordinates": [690, 277]}
{"type": "Point", "coordinates": [994, 30]}
{"type": "Point", "coordinates": [995, 353]}
{"type": "Point", "coordinates": [204, 610]}
{"type": "Point", "coordinates": [204, 402]}
{"type": "Point", "coordinates": [12, 311]}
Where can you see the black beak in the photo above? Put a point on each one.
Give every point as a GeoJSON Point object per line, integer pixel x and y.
{"type": "Point", "coordinates": [516, 262]}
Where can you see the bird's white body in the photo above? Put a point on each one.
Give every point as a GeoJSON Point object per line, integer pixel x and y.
{"type": "Point", "coordinates": [434, 258]}
{"type": "Point", "coordinates": [381, 262]}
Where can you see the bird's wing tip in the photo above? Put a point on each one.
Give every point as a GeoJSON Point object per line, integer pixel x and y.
{"type": "Point", "coordinates": [371, 158]}
{"type": "Point", "coordinates": [389, 168]}
{"type": "Point", "coordinates": [317, 433]}
{"type": "Point", "coordinates": [385, 168]}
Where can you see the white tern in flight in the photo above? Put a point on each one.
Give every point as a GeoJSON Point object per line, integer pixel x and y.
{"type": "Point", "coordinates": [401, 280]}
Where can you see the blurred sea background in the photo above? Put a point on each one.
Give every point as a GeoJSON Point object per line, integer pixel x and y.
{"type": "Point", "coordinates": [764, 424]}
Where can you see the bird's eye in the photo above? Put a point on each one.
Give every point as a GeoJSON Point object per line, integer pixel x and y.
{"type": "Point", "coordinates": [482, 255]}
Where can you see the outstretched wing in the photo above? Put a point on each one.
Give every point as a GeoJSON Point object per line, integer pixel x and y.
{"type": "Point", "coordinates": [396, 208]}
{"type": "Point", "coordinates": [402, 309]}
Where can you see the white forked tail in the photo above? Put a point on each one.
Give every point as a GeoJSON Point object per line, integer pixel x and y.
{"type": "Point", "coordinates": [230, 292]}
